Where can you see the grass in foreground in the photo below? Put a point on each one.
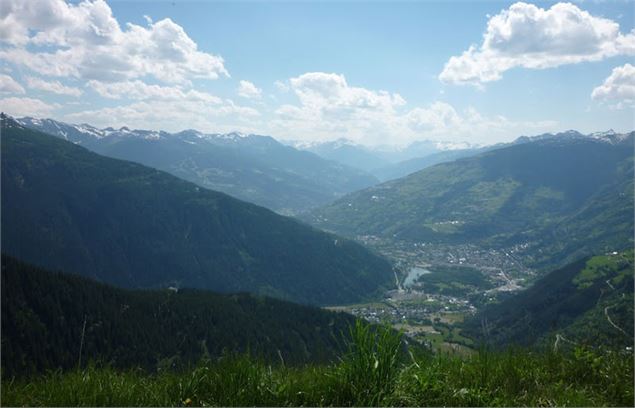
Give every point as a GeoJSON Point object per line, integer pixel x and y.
{"type": "Point", "coordinates": [376, 371]}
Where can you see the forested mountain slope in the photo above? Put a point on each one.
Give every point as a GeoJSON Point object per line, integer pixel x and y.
{"type": "Point", "coordinates": [588, 302]}
{"type": "Point", "coordinates": [48, 317]}
{"type": "Point", "coordinates": [66, 208]}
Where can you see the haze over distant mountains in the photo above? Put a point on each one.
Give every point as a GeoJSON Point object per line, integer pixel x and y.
{"type": "Point", "coordinates": [392, 162]}
{"type": "Point", "coordinates": [254, 168]}
{"type": "Point", "coordinates": [67, 208]}
{"type": "Point", "coordinates": [385, 161]}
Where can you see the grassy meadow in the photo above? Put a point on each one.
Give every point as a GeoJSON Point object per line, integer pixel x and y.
{"type": "Point", "coordinates": [377, 370]}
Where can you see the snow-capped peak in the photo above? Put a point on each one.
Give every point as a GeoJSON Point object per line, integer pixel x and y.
{"type": "Point", "coordinates": [232, 135]}
{"type": "Point", "coordinates": [341, 142]}
{"type": "Point", "coordinates": [455, 145]}
{"type": "Point", "coordinates": [600, 135]}
{"type": "Point", "coordinates": [89, 130]}
{"type": "Point", "coordinates": [610, 136]}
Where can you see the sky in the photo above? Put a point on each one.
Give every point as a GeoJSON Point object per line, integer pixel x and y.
{"type": "Point", "coordinates": [377, 73]}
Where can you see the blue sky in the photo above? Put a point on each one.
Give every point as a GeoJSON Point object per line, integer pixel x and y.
{"type": "Point", "coordinates": [374, 72]}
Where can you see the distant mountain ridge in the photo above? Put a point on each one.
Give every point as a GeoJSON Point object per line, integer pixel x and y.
{"type": "Point", "coordinates": [609, 136]}
{"type": "Point", "coordinates": [67, 208]}
{"type": "Point", "coordinates": [406, 167]}
{"type": "Point", "coordinates": [249, 167]}
{"type": "Point", "coordinates": [389, 163]}
{"type": "Point", "coordinates": [344, 152]}
{"type": "Point", "coordinates": [84, 132]}
{"type": "Point", "coordinates": [375, 158]}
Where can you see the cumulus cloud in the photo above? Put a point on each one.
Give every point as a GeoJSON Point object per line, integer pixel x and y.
{"type": "Point", "coordinates": [85, 41]}
{"type": "Point", "coordinates": [619, 87]}
{"type": "Point", "coordinates": [326, 91]}
{"type": "Point", "coordinates": [154, 65]}
{"type": "Point", "coordinates": [9, 85]}
{"type": "Point", "coordinates": [329, 108]}
{"type": "Point", "coordinates": [27, 107]}
{"type": "Point", "coordinates": [531, 37]}
{"type": "Point", "coordinates": [248, 90]}
{"type": "Point", "coordinates": [52, 86]}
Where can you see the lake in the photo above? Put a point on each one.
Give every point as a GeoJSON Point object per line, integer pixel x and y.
{"type": "Point", "coordinates": [414, 274]}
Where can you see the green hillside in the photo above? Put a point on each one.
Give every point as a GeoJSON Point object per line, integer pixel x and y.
{"type": "Point", "coordinates": [561, 199]}
{"type": "Point", "coordinates": [589, 302]}
{"type": "Point", "coordinates": [45, 315]}
{"type": "Point", "coordinates": [66, 208]}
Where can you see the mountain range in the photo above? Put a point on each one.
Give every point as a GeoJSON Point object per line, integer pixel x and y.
{"type": "Point", "coordinates": [250, 167]}
{"type": "Point", "coordinates": [119, 222]}
{"type": "Point", "coordinates": [559, 196]}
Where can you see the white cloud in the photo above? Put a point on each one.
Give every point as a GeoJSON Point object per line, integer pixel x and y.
{"type": "Point", "coordinates": [27, 107]}
{"type": "Point", "coordinates": [139, 90]}
{"type": "Point", "coordinates": [248, 90]}
{"type": "Point", "coordinates": [619, 87]}
{"type": "Point", "coordinates": [281, 86]}
{"type": "Point", "coordinates": [164, 114]}
{"type": "Point", "coordinates": [331, 91]}
{"type": "Point", "coordinates": [439, 116]}
{"type": "Point", "coordinates": [329, 108]}
{"type": "Point", "coordinates": [52, 86]}
{"type": "Point", "coordinates": [10, 85]}
{"type": "Point", "coordinates": [170, 108]}
{"type": "Point", "coordinates": [441, 121]}
{"type": "Point", "coordinates": [86, 41]}
{"type": "Point", "coordinates": [531, 37]}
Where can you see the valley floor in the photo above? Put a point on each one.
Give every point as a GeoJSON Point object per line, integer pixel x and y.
{"type": "Point", "coordinates": [438, 286]}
